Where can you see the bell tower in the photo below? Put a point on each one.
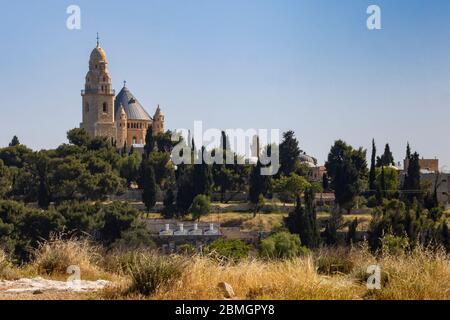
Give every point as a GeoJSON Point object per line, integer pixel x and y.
{"type": "Point", "coordinates": [98, 97]}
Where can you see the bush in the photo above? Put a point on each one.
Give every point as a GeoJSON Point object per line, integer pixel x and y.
{"type": "Point", "coordinates": [150, 272]}
{"type": "Point", "coordinates": [282, 245]}
{"type": "Point", "coordinates": [201, 206]}
{"type": "Point", "coordinates": [393, 245]}
{"type": "Point", "coordinates": [334, 262]}
{"type": "Point", "coordinates": [233, 250]}
{"type": "Point", "coordinates": [372, 201]}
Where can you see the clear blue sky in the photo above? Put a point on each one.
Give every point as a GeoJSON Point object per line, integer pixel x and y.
{"type": "Point", "coordinates": [311, 66]}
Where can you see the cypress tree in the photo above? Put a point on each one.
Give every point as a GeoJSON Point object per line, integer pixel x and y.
{"type": "Point", "coordinates": [149, 142]}
{"type": "Point", "coordinates": [202, 178]}
{"type": "Point", "coordinates": [149, 192]}
{"type": "Point", "coordinates": [372, 173]}
{"type": "Point", "coordinates": [325, 182]}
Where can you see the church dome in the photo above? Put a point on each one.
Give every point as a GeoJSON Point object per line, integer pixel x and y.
{"type": "Point", "coordinates": [133, 109]}
{"type": "Point", "coordinates": [98, 54]}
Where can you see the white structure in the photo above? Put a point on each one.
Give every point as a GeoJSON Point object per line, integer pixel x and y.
{"type": "Point", "coordinates": [211, 230]}
{"type": "Point", "coordinates": [180, 231]}
{"type": "Point", "coordinates": [196, 231]}
{"type": "Point", "coordinates": [166, 231]}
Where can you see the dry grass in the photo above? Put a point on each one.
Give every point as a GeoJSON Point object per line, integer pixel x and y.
{"type": "Point", "coordinates": [53, 258]}
{"type": "Point", "coordinates": [256, 279]}
{"type": "Point", "coordinates": [326, 274]}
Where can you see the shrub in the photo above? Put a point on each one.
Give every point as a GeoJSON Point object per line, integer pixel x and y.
{"type": "Point", "coordinates": [393, 245]}
{"type": "Point", "coordinates": [334, 262]}
{"type": "Point", "coordinates": [232, 250]}
{"type": "Point", "coordinates": [135, 238]}
{"type": "Point", "coordinates": [282, 245]}
{"type": "Point", "coordinates": [201, 206]}
{"type": "Point", "coordinates": [372, 201]}
{"type": "Point", "coordinates": [150, 272]}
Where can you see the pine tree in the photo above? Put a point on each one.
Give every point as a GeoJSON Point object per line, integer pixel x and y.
{"type": "Point", "coordinates": [149, 192]}
{"type": "Point", "coordinates": [289, 153]}
{"type": "Point", "coordinates": [372, 173]}
{"type": "Point", "coordinates": [14, 142]}
{"type": "Point", "coordinates": [387, 159]}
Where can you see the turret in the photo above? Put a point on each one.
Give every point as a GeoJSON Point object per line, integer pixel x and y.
{"type": "Point", "coordinates": [158, 122]}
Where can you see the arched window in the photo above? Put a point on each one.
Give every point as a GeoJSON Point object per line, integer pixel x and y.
{"type": "Point", "coordinates": [134, 140]}
{"type": "Point", "coordinates": [105, 107]}
{"type": "Point", "coordinates": [104, 79]}
{"type": "Point", "coordinates": [128, 125]}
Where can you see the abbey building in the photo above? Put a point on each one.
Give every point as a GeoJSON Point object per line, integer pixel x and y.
{"type": "Point", "coordinates": [121, 118]}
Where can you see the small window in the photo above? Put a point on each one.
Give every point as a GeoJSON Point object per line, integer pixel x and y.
{"type": "Point", "coordinates": [104, 79]}
{"type": "Point", "coordinates": [105, 107]}
{"type": "Point", "coordinates": [87, 107]}
{"type": "Point", "coordinates": [134, 140]}
{"type": "Point", "coordinates": [128, 125]}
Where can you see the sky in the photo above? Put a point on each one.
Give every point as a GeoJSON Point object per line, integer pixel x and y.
{"type": "Point", "coordinates": [311, 66]}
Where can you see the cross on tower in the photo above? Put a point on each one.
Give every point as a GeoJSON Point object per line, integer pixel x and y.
{"type": "Point", "coordinates": [124, 83]}
{"type": "Point", "coordinates": [98, 40]}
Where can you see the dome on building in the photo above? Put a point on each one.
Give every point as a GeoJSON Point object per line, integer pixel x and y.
{"type": "Point", "coordinates": [98, 54]}
{"type": "Point", "coordinates": [308, 159]}
{"type": "Point", "coordinates": [133, 109]}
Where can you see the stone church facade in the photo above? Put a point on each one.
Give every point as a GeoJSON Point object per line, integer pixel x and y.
{"type": "Point", "coordinates": [121, 118]}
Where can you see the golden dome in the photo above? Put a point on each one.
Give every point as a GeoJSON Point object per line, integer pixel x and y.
{"type": "Point", "coordinates": [98, 55]}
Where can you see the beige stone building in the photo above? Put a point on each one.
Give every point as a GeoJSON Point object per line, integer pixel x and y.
{"type": "Point", "coordinates": [121, 118]}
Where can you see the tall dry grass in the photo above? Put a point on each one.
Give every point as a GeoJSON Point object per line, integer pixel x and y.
{"type": "Point", "coordinates": [325, 274]}
{"type": "Point", "coordinates": [53, 257]}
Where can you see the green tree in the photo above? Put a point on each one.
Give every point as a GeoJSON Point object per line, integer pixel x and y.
{"type": "Point", "coordinates": [282, 245]}
{"type": "Point", "coordinates": [303, 220]}
{"type": "Point", "coordinates": [203, 179]}
{"type": "Point", "coordinates": [372, 173]}
{"type": "Point", "coordinates": [290, 187]}
{"type": "Point", "coordinates": [78, 137]}
{"type": "Point", "coordinates": [411, 186]}
{"type": "Point", "coordinates": [169, 205]}
{"type": "Point", "coordinates": [14, 142]}
{"type": "Point", "coordinates": [201, 206]}
{"type": "Point", "coordinates": [347, 169]}
{"type": "Point", "coordinates": [387, 159]}
{"type": "Point", "coordinates": [325, 182]}
{"type": "Point", "coordinates": [258, 186]}
{"type": "Point", "coordinates": [185, 189]}
{"type": "Point", "coordinates": [149, 142]}
{"type": "Point", "coordinates": [289, 153]}
{"type": "Point", "coordinates": [129, 167]}
{"type": "Point", "coordinates": [5, 180]}
{"type": "Point", "coordinates": [149, 192]}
